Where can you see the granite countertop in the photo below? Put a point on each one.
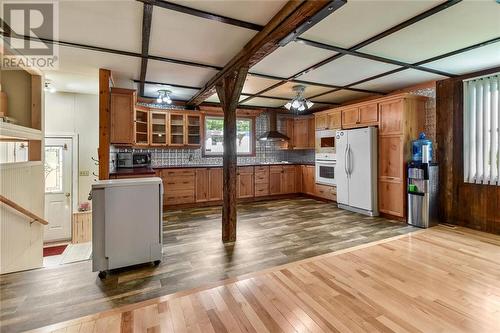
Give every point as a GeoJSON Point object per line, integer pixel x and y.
{"type": "Point", "coordinates": [151, 170]}
{"type": "Point", "coordinates": [133, 171]}
{"type": "Point", "coordinates": [220, 166]}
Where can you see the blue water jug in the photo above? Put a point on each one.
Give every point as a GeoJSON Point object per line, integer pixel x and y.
{"type": "Point", "coordinates": [417, 147]}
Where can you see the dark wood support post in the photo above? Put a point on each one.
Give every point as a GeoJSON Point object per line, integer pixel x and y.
{"type": "Point", "coordinates": [104, 122]}
{"type": "Point", "coordinates": [229, 90]}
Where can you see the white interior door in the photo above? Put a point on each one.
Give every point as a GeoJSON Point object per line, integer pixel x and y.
{"type": "Point", "coordinates": [58, 187]}
{"type": "Point", "coordinates": [359, 161]}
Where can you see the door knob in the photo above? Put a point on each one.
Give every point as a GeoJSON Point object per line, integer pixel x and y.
{"type": "Point", "coordinates": [67, 195]}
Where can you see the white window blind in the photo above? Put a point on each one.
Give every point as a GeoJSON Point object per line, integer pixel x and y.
{"type": "Point", "coordinates": [481, 132]}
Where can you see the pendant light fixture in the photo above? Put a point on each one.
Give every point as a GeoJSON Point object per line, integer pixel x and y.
{"type": "Point", "coordinates": [299, 103]}
{"type": "Point", "coordinates": [164, 97]}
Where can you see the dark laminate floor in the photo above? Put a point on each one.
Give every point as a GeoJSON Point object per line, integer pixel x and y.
{"type": "Point", "coordinates": [270, 233]}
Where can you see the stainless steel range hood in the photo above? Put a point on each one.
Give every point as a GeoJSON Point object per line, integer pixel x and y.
{"type": "Point", "coordinates": [273, 134]}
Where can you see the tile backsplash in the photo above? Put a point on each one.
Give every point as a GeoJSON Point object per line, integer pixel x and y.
{"type": "Point", "coordinates": [264, 152]}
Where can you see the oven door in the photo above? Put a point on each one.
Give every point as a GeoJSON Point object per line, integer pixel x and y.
{"type": "Point", "coordinates": [325, 172]}
{"type": "Point", "coordinates": [325, 141]}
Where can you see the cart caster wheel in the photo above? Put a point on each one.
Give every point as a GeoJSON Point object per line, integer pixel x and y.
{"type": "Point", "coordinates": [156, 262]}
{"type": "Point", "coordinates": [102, 275]}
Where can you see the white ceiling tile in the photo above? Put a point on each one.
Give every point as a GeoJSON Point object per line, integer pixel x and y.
{"type": "Point", "coordinates": [254, 84]}
{"type": "Point", "coordinates": [265, 102]}
{"type": "Point", "coordinates": [403, 79]}
{"type": "Point", "coordinates": [258, 12]}
{"type": "Point", "coordinates": [291, 59]}
{"type": "Point", "coordinates": [180, 94]}
{"type": "Point", "coordinates": [80, 61]}
{"type": "Point", "coordinates": [461, 25]}
{"type": "Point", "coordinates": [471, 61]}
{"type": "Point", "coordinates": [73, 82]}
{"type": "Point", "coordinates": [102, 23]}
{"type": "Point", "coordinates": [341, 96]}
{"type": "Point", "coordinates": [357, 20]}
{"type": "Point", "coordinates": [286, 90]}
{"type": "Point", "coordinates": [346, 70]}
{"type": "Point", "coordinates": [187, 37]}
{"type": "Point", "coordinates": [164, 72]}
{"type": "Point", "coordinates": [213, 99]}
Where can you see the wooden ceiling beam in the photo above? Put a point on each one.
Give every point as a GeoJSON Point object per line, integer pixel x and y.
{"type": "Point", "coordinates": [147, 16]}
{"type": "Point", "coordinates": [203, 14]}
{"type": "Point", "coordinates": [287, 20]}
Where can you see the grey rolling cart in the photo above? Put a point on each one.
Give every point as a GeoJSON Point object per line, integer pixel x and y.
{"type": "Point", "coordinates": [126, 223]}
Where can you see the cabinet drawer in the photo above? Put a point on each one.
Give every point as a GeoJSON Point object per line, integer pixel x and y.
{"type": "Point", "coordinates": [325, 192]}
{"type": "Point", "coordinates": [178, 197]}
{"type": "Point", "coordinates": [180, 182]}
{"type": "Point", "coordinates": [242, 170]}
{"type": "Point", "coordinates": [261, 169]}
{"type": "Point", "coordinates": [177, 173]}
{"type": "Point", "coordinates": [262, 177]}
{"type": "Point", "coordinates": [261, 189]}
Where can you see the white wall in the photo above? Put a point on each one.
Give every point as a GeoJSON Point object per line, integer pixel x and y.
{"type": "Point", "coordinates": [76, 114]}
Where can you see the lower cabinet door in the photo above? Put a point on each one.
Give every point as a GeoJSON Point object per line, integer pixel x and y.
{"type": "Point", "coordinates": [202, 185]}
{"type": "Point", "coordinates": [215, 184]}
{"type": "Point", "coordinates": [391, 199]}
{"type": "Point", "coordinates": [275, 180]}
{"type": "Point", "coordinates": [245, 182]}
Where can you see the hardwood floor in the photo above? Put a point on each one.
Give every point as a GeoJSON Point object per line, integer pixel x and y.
{"type": "Point", "coordinates": [269, 234]}
{"type": "Point", "coordinates": [435, 280]}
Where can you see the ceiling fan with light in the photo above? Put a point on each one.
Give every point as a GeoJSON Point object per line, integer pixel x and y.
{"type": "Point", "coordinates": [299, 103]}
{"type": "Point", "coordinates": [164, 96]}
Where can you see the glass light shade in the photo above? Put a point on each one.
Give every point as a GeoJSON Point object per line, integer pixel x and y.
{"type": "Point", "coordinates": [309, 104]}
{"type": "Point", "coordinates": [158, 100]}
{"type": "Point", "coordinates": [301, 107]}
{"type": "Point", "coordinates": [295, 104]}
{"type": "Point", "coordinates": [288, 106]}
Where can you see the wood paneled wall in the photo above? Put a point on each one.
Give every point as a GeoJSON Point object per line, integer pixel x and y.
{"type": "Point", "coordinates": [470, 205]}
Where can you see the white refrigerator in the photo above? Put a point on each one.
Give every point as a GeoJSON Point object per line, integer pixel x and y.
{"type": "Point", "coordinates": [356, 172]}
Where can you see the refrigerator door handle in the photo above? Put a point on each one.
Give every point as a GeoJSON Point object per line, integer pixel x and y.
{"type": "Point", "coordinates": [349, 154]}
{"type": "Point", "coordinates": [346, 160]}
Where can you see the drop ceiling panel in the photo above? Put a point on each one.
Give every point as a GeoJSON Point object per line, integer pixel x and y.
{"type": "Point", "coordinates": [471, 61]}
{"type": "Point", "coordinates": [73, 83]}
{"type": "Point", "coordinates": [291, 59]}
{"type": "Point", "coordinates": [341, 96]}
{"type": "Point", "coordinates": [265, 102]}
{"type": "Point", "coordinates": [461, 25]}
{"type": "Point", "coordinates": [196, 39]}
{"type": "Point", "coordinates": [215, 98]}
{"type": "Point", "coordinates": [357, 21]}
{"type": "Point", "coordinates": [164, 72]}
{"type": "Point", "coordinates": [102, 23]}
{"type": "Point", "coordinates": [346, 70]}
{"type": "Point", "coordinates": [254, 84]}
{"type": "Point", "coordinates": [403, 79]}
{"type": "Point", "coordinates": [258, 12]}
{"type": "Point", "coordinates": [80, 61]}
{"type": "Point", "coordinates": [181, 94]}
{"type": "Point", "coordinates": [286, 90]}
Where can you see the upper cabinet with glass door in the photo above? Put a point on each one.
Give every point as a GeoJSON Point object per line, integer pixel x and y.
{"type": "Point", "coordinates": [177, 133]}
{"type": "Point", "coordinates": [141, 125]}
{"type": "Point", "coordinates": [193, 130]}
{"type": "Point", "coordinates": [158, 122]}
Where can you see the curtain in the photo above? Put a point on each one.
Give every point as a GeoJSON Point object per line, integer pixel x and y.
{"type": "Point", "coordinates": [481, 130]}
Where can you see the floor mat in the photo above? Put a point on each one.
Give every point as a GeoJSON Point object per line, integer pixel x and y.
{"type": "Point", "coordinates": [54, 250]}
{"type": "Point", "coordinates": [77, 252]}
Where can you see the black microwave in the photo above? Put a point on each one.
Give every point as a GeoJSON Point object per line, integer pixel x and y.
{"type": "Point", "coordinates": [133, 160]}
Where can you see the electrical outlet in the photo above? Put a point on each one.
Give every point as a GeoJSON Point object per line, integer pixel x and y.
{"type": "Point", "coordinates": [84, 173]}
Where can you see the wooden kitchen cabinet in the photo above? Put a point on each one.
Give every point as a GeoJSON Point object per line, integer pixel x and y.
{"type": "Point", "coordinates": [245, 185]}
{"type": "Point", "coordinates": [334, 120]}
{"type": "Point", "coordinates": [122, 116]}
{"type": "Point", "coordinates": [288, 182]}
{"type": "Point", "coordinates": [325, 192]}
{"type": "Point", "coordinates": [392, 197]}
{"type": "Point", "coordinates": [275, 172]}
{"type": "Point", "coordinates": [261, 181]}
{"type": "Point", "coordinates": [391, 165]}
{"type": "Point", "coordinates": [368, 114]}
{"type": "Point", "coordinates": [177, 123]}
{"type": "Point", "coordinates": [301, 133]}
{"type": "Point", "coordinates": [179, 186]}
{"type": "Point", "coordinates": [158, 127]}
{"type": "Point", "coordinates": [350, 117]}
{"type": "Point", "coordinates": [308, 179]}
{"type": "Point", "coordinates": [311, 134]}
{"type": "Point", "coordinates": [321, 121]}
{"type": "Point", "coordinates": [202, 184]}
{"type": "Point", "coordinates": [193, 130]}
{"type": "Point", "coordinates": [391, 117]}
{"type": "Point", "coordinates": [216, 180]}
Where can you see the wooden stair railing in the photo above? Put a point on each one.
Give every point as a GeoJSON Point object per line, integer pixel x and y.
{"type": "Point", "coordinates": [23, 210]}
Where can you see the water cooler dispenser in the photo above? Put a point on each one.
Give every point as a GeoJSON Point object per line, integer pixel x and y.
{"type": "Point", "coordinates": [422, 194]}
